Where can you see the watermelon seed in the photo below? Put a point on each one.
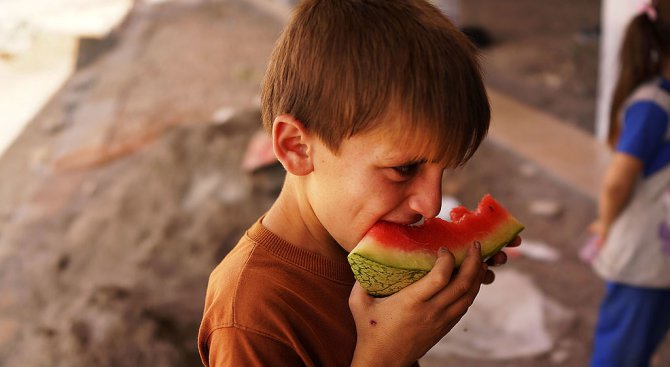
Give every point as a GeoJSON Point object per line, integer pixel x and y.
{"type": "Point", "coordinates": [490, 208]}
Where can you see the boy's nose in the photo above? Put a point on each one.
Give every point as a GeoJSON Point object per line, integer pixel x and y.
{"type": "Point", "coordinates": [426, 197]}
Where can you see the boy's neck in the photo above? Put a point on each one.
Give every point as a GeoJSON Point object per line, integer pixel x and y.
{"type": "Point", "coordinates": [292, 219]}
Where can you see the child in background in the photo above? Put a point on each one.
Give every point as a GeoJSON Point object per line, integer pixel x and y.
{"type": "Point", "coordinates": [634, 206]}
{"type": "Point", "coordinates": [368, 101]}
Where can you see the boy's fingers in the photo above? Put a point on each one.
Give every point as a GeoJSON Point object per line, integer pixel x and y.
{"type": "Point", "coordinates": [489, 277]}
{"type": "Point", "coordinates": [436, 279]}
{"type": "Point", "coordinates": [498, 259]}
{"type": "Point", "coordinates": [458, 307]}
{"type": "Point", "coordinates": [469, 278]}
{"type": "Point", "coordinates": [455, 308]}
{"type": "Point", "coordinates": [515, 242]}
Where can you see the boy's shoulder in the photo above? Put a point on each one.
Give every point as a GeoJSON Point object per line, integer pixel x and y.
{"type": "Point", "coordinates": [245, 277]}
{"type": "Point", "coordinates": [256, 275]}
{"type": "Point", "coordinates": [269, 288]}
{"type": "Point", "coordinates": [264, 277]}
{"type": "Point", "coordinates": [243, 292]}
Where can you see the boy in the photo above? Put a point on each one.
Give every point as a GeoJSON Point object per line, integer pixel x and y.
{"type": "Point", "coordinates": [368, 101]}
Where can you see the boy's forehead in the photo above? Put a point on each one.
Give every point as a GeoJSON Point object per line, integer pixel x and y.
{"type": "Point", "coordinates": [398, 144]}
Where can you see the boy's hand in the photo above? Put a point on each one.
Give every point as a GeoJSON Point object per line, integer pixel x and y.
{"type": "Point", "coordinates": [498, 259]}
{"type": "Point", "coordinates": [400, 329]}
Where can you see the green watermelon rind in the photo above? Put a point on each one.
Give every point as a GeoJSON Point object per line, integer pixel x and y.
{"type": "Point", "coordinates": [496, 241]}
{"type": "Point", "coordinates": [368, 272]}
{"type": "Point", "coordinates": [516, 229]}
{"type": "Point", "coordinates": [381, 280]}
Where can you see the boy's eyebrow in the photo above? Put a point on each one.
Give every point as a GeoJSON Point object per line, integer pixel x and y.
{"type": "Point", "coordinates": [419, 161]}
{"type": "Point", "coordinates": [404, 161]}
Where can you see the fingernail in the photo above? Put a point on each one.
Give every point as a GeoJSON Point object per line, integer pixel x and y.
{"type": "Point", "coordinates": [478, 245]}
{"type": "Point", "coordinates": [443, 250]}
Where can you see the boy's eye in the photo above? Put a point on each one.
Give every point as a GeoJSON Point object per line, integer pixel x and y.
{"type": "Point", "coordinates": [407, 170]}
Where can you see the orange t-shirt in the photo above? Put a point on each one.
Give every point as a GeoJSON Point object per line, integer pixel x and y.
{"type": "Point", "coordinates": [270, 303]}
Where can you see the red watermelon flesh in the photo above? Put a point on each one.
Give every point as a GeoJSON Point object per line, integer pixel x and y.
{"type": "Point", "coordinates": [391, 256]}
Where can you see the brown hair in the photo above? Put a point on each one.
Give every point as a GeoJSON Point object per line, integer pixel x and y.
{"type": "Point", "coordinates": [645, 46]}
{"type": "Point", "coordinates": [342, 67]}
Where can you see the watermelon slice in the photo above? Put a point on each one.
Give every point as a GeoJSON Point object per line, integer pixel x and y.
{"type": "Point", "coordinates": [392, 256]}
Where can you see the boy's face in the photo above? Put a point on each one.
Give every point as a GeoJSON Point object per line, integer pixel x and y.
{"type": "Point", "coordinates": [373, 177]}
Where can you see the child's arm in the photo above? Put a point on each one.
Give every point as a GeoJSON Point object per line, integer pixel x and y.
{"type": "Point", "coordinates": [400, 329]}
{"type": "Point", "coordinates": [618, 185]}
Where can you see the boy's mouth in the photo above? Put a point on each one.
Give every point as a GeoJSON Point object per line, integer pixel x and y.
{"type": "Point", "coordinates": [418, 223]}
{"type": "Point", "coordinates": [414, 222]}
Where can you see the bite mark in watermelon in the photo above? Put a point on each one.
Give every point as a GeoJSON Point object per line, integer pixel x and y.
{"type": "Point", "coordinates": [392, 256]}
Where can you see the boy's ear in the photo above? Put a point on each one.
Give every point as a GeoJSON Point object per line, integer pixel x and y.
{"type": "Point", "coordinates": [291, 143]}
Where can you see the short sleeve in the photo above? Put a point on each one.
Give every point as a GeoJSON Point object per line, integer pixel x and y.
{"type": "Point", "coordinates": [231, 346]}
{"type": "Point", "coordinates": [644, 129]}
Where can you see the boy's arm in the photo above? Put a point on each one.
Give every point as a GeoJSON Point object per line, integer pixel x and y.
{"type": "Point", "coordinates": [400, 329]}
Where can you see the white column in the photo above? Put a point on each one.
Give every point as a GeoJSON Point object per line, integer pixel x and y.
{"type": "Point", "coordinates": [614, 15]}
